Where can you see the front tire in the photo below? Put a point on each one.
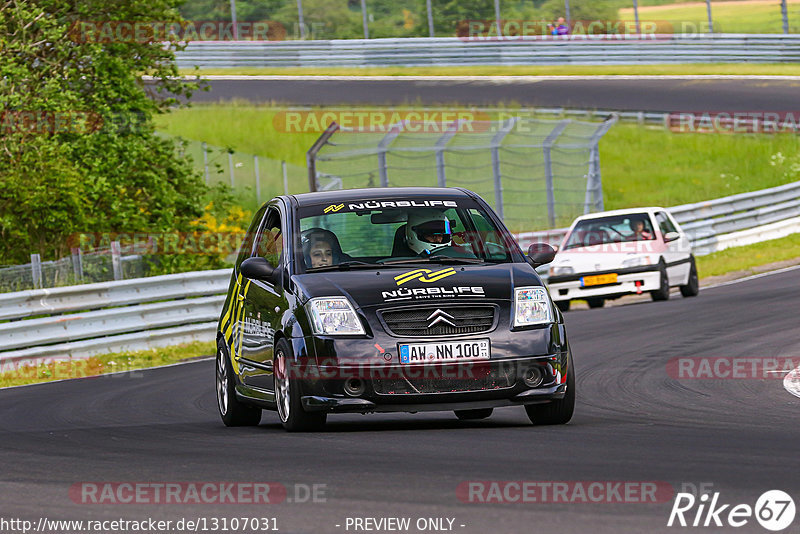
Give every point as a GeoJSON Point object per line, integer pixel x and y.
{"type": "Point", "coordinates": [232, 411]}
{"type": "Point", "coordinates": [557, 412]}
{"type": "Point", "coordinates": [596, 302]}
{"type": "Point", "coordinates": [468, 415]}
{"type": "Point", "coordinates": [662, 293]}
{"type": "Point", "coordinates": [287, 395]}
{"type": "Point", "coordinates": [692, 287]}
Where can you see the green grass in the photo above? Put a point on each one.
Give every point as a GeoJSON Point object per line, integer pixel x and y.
{"type": "Point", "coordinates": [749, 256]}
{"type": "Point", "coordinates": [728, 17]}
{"type": "Point", "coordinates": [742, 69]}
{"type": "Point", "coordinates": [641, 165]}
{"type": "Point", "coordinates": [94, 366]}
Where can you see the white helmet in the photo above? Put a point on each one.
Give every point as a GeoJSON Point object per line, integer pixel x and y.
{"type": "Point", "coordinates": [427, 231]}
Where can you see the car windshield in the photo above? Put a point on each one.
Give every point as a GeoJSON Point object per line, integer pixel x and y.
{"type": "Point", "coordinates": [377, 233]}
{"type": "Point", "coordinates": [612, 229]}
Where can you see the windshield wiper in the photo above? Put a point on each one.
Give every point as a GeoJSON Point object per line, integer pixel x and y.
{"type": "Point", "coordinates": [344, 266]}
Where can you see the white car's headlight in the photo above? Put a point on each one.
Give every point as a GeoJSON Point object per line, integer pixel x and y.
{"type": "Point", "coordinates": [558, 270]}
{"type": "Point", "coordinates": [333, 316]}
{"type": "Point", "coordinates": [637, 261]}
{"type": "Point", "coordinates": [532, 306]}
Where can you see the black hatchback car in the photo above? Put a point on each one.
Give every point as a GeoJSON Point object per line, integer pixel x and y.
{"type": "Point", "coordinates": [388, 300]}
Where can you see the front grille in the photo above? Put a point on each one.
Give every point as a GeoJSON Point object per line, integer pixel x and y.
{"type": "Point", "coordinates": [447, 379]}
{"type": "Point", "coordinates": [416, 322]}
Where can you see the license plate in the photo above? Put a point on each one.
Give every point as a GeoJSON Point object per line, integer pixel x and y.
{"type": "Point", "coordinates": [599, 279]}
{"type": "Point", "coordinates": [444, 352]}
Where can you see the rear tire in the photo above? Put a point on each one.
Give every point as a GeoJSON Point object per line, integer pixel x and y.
{"type": "Point", "coordinates": [467, 415]}
{"type": "Point", "coordinates": [287, 395]}
{"type": "Point", "coordinates": [557, 412]}
{"type": "Point", "coordinates": [662, 293]}
{"type": "Point", "coordinates": [232, 411]}
{"type": "Point", "coordinates": [692, 287]}
{"type": "Point", "coordinates": [596, 302]}
{"type": "Point", "coordinates": [563, 305]}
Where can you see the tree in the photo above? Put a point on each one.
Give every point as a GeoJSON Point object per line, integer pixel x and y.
{"type": "Point", "coordinates": [78, 152]}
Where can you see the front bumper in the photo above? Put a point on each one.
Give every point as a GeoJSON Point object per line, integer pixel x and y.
{"type": "Point", "coordinates": [565, 288]}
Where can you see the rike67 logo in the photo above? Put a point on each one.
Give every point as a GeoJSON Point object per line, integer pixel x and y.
{"type": "Point", "coordinates": [774, 510]}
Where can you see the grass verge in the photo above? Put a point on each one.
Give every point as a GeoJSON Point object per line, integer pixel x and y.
{"type": "Point", "coordinates": [95, 366]}
{"type": "Point", "coordinates": [731, 69]}
{"type": "Point", "coordinates": [743, 259]}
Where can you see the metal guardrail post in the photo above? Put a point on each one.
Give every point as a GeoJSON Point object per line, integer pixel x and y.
{"type": "Point", "coordinates": [311, 155]}
{"type": "Point", "coordinates": [548, 170]}
{"type": "Point", "coordinates": [785, 17]}
{"type": "Point", "coordinates": [300, 20]}
{"type": "Point", "coordinates": [36, 270]}
{"type": "Point", "coordinates": [430, 18]}
{"type": "Point", "coordinates": [205, 159]}
{"type": "Point", "coordinates": [364, 18]}
{"type": "Point", "coordinates": [230, 168]}
{"type": "Point", "coordinates": [285, 178]}
{"type": "Point", "coordinates": [710, 20]}
{"type": "Point", "coordinates": [116, 260]}
{"type": "Point", "coordinates": [258, 179]}
{"type": "Point", "coordinates": [77, 264]}
{"type": "Point", "coordinates": [498, 179]}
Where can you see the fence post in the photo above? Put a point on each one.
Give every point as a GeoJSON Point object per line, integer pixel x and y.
{"type": "Point", "coordinates": [594, 182]}
{"type": "Point", "coordinates": [300, 19]}
{"type": "Point", "coordinates": [311, 155]}
{"type": "Point", "coordinates": [383, 147]}
{"type": "Point", "coordinates": [36, 271]}
{"type": "Point", "coordinates": [258, 180]}
{"type": "Point", "coordinates": [785, 16]}
{"type": "Point", "coordinates": [285, 178]}
{"type": "Point", "coordinates": [77, 264]}
{"type": "Point", "coordinates": [441, 143]}
{"type": "Point", "coordinates": [497, 18]}
{"type": "Point", "coordinates": [430, 18]}
{"type": "Point", "coordinates": [498, 179]}
{"type": "Point", "coordinates": [116, 260]}
{"type": "Point", "coordinates": [636, 16]}
{"type": "Point", "coordinates": [205, 160]}
{"type": "Point", "coordinates": [548, 170]}
{"type": "Point", "coordinates": [364, 18]}
{"type": "Point", "coordinates": [230, 168]}
{"type": "Point", "coordinates": [710, 20]}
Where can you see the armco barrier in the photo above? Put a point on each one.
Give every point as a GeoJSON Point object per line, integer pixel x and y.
{"type": "Point", "coordinates": [78, 321]}
{"type": "Point", "coordinates": [532, 50]}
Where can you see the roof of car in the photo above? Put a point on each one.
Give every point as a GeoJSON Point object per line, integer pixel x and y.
{"type": "Point", "coordinates": [627, 211]}
{"type": "Point", "coordinates": [394, 193]}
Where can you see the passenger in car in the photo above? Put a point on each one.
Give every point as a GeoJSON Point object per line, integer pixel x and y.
{"type": "Point", "coordinates": [321, 248]}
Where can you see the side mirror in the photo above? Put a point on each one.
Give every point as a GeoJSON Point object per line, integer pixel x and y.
{"type": "Point", "coordinates": [671, 236]}
{"type": "Point", "coordinates": [257, 268]}
{"type": "Point", "coordinates": [540, 254]}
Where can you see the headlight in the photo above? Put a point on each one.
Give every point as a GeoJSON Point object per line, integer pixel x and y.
{"type": "Point", "coordinates": [557, 271]}
{"type": "Point", "coordinates": [637, 261]}
{"type": "Point", "coordinates": [532, 306]}
{"type": "Point", "coordinates": [334, 316]}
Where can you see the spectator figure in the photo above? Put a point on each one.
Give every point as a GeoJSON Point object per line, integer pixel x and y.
{"type": "Point", "coordinates": [562, 28]}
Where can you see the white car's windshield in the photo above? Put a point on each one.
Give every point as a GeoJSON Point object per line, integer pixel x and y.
{"type": "Point", "coordinates": [612, 229]}
{"type": "Point", "coordinates": [390, 235]}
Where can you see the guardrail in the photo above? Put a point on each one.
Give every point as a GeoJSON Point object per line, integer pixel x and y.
{"type": "Point", "coordinates": [79, 321]}
{"type": "Point", "coordinates": [527, 50]}
{"type": "Point", "coordinates": [721, 223]}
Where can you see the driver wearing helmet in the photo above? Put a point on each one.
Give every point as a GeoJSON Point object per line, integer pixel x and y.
{"type": "Point", "coordinates": [429, 232]}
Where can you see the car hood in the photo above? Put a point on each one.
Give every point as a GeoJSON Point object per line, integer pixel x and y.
{"type": "Point", "coordinates": [418, 283]}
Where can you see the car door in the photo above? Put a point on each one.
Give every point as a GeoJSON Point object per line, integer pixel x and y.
{"type": "Point", "coordinates": [676, 249]}
{"type": "Point", "coordinates": [264, 304]}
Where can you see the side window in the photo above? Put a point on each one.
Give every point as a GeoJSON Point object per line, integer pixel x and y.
{"type": "Point", "coordinates": [247, 244]}
{"type": "Point", "coordinates": [664, 223]}
{"type": "Point", "coordinates": [269, 243]}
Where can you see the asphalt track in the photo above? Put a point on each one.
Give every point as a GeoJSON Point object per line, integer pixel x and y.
{"type": "Point", "coordinates": [633, 423]}
{"type": "Point", "coordinates": [671, 94]}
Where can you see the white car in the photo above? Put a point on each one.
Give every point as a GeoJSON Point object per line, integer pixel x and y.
{"type": "Point", "coordinates": [613, 253]}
